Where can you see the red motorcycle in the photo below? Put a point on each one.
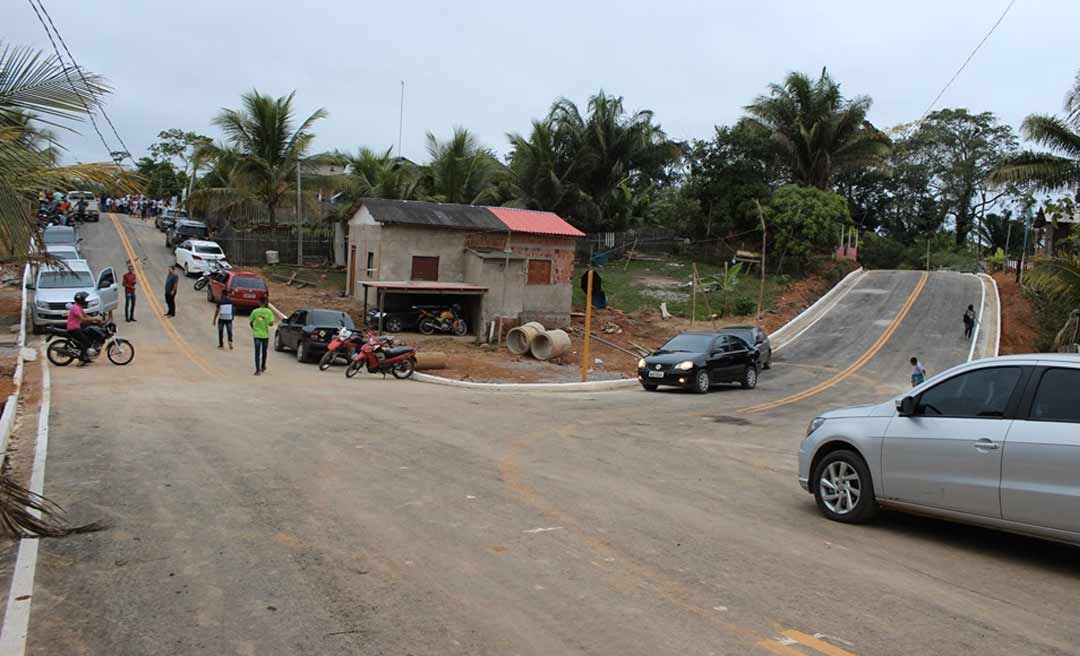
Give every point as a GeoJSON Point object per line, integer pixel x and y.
{"type": "Point", "coordinates": [345, 344]}
{"type": "Point", "coordinates": [374, 354]}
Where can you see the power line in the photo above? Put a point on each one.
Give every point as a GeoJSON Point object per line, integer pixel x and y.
{"type": "Point", "coordinates": [966, 61]}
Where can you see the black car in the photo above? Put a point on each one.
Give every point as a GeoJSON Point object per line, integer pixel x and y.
{"type": "Point", "coordinates": [309, 330]}
{"type": "Point", "coordinates": [756, 336]}
{"type": "Point", "coordinates": [184, 230]}
{"type": "Point", "coordinates": [698, 361]}
{"type": "Point", "coordinates": [394, 322]}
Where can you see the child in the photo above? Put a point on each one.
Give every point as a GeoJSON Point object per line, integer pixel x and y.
{"type": "Point", "coordinates": [918, 373]}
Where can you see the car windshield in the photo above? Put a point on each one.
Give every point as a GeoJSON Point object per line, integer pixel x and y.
{"type": "Point", "coordinates": [59, 236]}
{"type": "Point", "coordinates": [193, 231]}
{"type": "Point", "coordinates": [243, 282]}
{"type": "Point", "coordinates": [208, 250]}
{"type": "Point", "coordinates": [329, 318]}
{"type": "Point", "coordinates": [65, 255]}
{"type": "Point", "coordinates": [175, 214]}
{"type": "Point", "coordinates": [687, 343]}
{"type": "Point", "coordinates": [64, 279]}
{"type": "Point", "coordinates": [746, 334]}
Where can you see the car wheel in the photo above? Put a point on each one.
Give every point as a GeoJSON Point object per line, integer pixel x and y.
{"type": "Point", "coordinates": [843, 489]}
{"type": "Point", "coordinates": [649, 387]}
{"type": "Point", "coordinates": [278, 346]}
{"type": "Point", "coordinates": [701, 381]}
{"type": "Point", "coordinates": [749, 378]}
{"type": "Point", "coordinates": [301, 352]}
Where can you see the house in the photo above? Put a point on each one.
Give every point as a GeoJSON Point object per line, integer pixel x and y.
{"type": "Point", "coordinates": [500, 264]}
{"type": "Point", "coordinates": [1053, 228]}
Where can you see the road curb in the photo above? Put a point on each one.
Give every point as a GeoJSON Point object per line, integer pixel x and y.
{"type": "Point", "coordinates": [11, 407]}
{"type": "Point", "coordinates": [595, 386]}
{"type": "Point", "coordinates": [997, 319]}
{"type": "Point", "coordinates": [824, 299]}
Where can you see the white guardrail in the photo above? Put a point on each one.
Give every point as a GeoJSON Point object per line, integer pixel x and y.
{"type": "Point", "coordinates": [11, 407]}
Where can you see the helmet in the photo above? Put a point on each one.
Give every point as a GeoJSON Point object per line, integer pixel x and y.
{"type": "Point", "coordinates": [81, 299]}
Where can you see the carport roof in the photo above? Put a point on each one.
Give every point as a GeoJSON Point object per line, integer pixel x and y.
{"type": "Point", "coordinates": [424, 287]}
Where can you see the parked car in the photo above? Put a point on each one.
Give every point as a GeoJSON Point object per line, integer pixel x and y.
{"type": "Point", "coordinates": [756, 336]}
{"type": "Point", "coordinates": [63, 252]}
{"type": "Point", "coordinates": [168, 218]}
{"type": "Point", "coordinates": [58, 235]}
{"type": "Point", "coordinates": [699, 360]}
{"type": "Point", "coordinates": [195, 255]}
{"type": "Point", "coordinates": [394, 322]}
{"type": "Point", "coordinates": [309, 330]}
{"type": "Point", "coordinates": [993, 442]}
{"type": "Point", "coordinates": [246, 289]}
{"type": "Point", "coordinates": [90, 211]}
{"type": "Point", "coordinates": [55, 288]}
{"type": "Point", "coordinates": [184, 230]}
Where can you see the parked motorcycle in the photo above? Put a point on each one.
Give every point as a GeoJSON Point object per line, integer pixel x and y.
{"type": "Point", "coordinates": [213, 267]}
{"type": "Point", "coordinates": [399, 360]}
{"type": "Point", "coordinates": [65, 349]}
{"type": "Point", "coordinates": [442, 318]}
{"type": "Point", "coordinates": [345, 344]}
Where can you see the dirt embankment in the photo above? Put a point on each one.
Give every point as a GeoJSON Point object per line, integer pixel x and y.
{"type": "Point", "coordinates": [1019, 326]}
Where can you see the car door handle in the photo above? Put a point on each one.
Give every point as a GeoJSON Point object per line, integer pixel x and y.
{"type": "Point", "coordinates": [986, 444]}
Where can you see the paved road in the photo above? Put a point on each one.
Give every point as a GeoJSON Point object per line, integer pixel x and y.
{"type": "Point", "coordinates": [302, 513]}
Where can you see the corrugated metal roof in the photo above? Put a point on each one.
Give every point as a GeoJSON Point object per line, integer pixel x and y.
{"type": "Point", "coordinates": [443, 215]}
{"type": "Point", "coordinates": [533, 221]}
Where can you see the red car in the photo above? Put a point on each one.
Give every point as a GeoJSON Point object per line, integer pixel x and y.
{"type": "Point", "coordinates": [246, 289]}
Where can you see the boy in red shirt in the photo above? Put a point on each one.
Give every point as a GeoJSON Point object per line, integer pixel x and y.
{"type": "Point", "coordinates": [129, 293]}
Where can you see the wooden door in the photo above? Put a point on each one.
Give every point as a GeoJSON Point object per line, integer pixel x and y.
{"type": "Point", "coordinates": [425, 268]}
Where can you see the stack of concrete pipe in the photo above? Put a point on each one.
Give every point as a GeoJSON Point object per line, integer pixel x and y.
{"type": "Point", "coordinates": [542, 343]}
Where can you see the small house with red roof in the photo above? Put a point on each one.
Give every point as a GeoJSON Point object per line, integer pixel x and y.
{"type": "Point", "coordinates": [500, 264]}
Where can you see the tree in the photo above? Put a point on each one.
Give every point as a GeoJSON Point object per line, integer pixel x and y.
{"type": "Point", "coordinates": [267, 145]}
{"type": "Point", "coordinates": [803, 219]}
{"type": "Point", "coordinates": [162, 178]}
{"type": "Point", "coordinates": [817, 131]}
{"type": "Point", "coordinates": [188, 147]}
{"type": "Point", "coordinates": [460, 170]}
{"type": "Point", "coordinates": [540, 171]}
{"type": "Point", "coordinates": [375, 174]}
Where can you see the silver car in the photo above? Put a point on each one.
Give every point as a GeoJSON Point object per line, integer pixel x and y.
{"type": "Point", "coordinates": [993, 442]}
{"type": "Point", "coordinates": [55, 288]}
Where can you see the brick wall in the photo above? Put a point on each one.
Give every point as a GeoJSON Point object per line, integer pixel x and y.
{"type": "Point", "coordinates": [560, 250]}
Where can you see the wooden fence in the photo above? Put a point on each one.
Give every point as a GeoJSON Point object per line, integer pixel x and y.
{"type": "Point", "coordinates": [245, 249]}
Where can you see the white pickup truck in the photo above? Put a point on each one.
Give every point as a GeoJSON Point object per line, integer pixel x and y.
{"type": "Point", "coordinates": [91, 211]}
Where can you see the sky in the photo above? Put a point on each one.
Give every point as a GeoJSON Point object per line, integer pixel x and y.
{"type": "Point", "coordinates": [494, 66]}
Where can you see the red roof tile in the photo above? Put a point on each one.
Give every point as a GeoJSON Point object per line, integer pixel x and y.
{"type": "Point", "coordinates": [535, 222]}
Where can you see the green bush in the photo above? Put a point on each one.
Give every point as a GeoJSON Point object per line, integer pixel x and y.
{"type": "Point", "coordinates": [742, 305]}
{"type": "Point", "coordinates": [877, 252]}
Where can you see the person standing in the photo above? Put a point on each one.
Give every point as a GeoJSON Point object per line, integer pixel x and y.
{"type": "Point", "coordinates": [918, 372]}
{"type": "Point", "coordinates": [261, 320]}
{"type": "Point", "coordinates": [223, 317]}
{"type": "Point", "coordinates": [969, 321]}
{"type": "Point", "coordinates": [129, 292]}
{"type": "Point", "coordinates": [171, 281]}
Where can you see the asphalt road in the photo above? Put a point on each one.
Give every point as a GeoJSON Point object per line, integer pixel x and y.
{"type": "Point", "coordinates": [303, 513]}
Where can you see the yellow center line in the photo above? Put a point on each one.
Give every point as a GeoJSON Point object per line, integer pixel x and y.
{"type": "Point", "coordinates": [816, 644]}
{"type": "Point", "coordinates": [155, 306]}
{"type": "Point", "coordinates": [854, 366]}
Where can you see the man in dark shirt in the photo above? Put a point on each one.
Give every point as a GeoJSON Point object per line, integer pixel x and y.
{"type": "Point", "coordinates": [129, 292]}
{"type": "Point", "coordinates": [170, 290]}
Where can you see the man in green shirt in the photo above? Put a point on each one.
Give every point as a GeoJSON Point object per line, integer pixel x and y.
{"type": "Point", "coordinates": [261, 320]}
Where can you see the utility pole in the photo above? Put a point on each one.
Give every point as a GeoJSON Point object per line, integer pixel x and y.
{"type": "Point", "coordinates": [588, 327]}
{"type": "Point", "coordinates": [761, 292]}
{"type": "Point", "coordinates": [299, 219]}
{"type": "Point", "coordinates": [401, 118]}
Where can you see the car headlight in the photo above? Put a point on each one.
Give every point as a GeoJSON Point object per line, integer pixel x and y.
{"type": "Point", "coordinates": [641, 363]}
{"type": "Point", "coordinates": [815, 424]}
{"type": "Point", "coordinates": [685, 366]}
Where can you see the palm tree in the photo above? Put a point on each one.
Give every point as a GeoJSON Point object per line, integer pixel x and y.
{"type": "Point", "coordinates": [816, 130]}
{"type": "Point", "coordinates": [268, 145]}
{"type": "Point", "coordinates": [461, 170]}
{"type": "Point", "coordinates": [375, 174]}
{"type": "Point", "coordinates": [1054, 170]}
{"type": "Point", "coordinates": [540, 171]}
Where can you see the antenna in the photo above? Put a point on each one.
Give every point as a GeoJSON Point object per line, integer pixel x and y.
{"type": "Point", "coordinates": [401, 118]}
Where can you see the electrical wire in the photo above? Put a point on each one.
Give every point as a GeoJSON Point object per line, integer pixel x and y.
{"type": "Point", "coordinates": [967, 61]}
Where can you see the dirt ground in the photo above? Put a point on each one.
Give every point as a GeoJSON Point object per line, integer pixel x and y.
{"type": "Point", "coordinates": [1019, 329]}
{"type": "Point", "coordinates": [644, 329]}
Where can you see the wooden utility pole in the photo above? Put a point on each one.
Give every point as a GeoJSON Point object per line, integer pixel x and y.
{"type": "Point", "coordinates": [761, 292]}
{"type": "Point", "coordinates": [588, 327]}
{"type": "Point", "coordinates": [693, 294]}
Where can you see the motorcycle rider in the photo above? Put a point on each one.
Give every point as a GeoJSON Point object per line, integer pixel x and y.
{"type": "Point", "coordinates": [76, 321]}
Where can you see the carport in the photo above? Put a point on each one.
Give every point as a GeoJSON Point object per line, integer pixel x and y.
{"type": "Point", "coordinates": [453, 292]}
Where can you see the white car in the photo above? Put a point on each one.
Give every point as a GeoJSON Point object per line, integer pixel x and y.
{"type": "Point", "coordinates": [55, 288]}
{"type": "Point", "coordinates": [195, 255]}
{"type": "Point", "coordinates": [90, 209]}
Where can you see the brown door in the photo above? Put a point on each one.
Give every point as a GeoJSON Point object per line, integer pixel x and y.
{"type": "Point", "coordinates": [351, 282]}
{"type": "Point", "coordinates": [425, 268]}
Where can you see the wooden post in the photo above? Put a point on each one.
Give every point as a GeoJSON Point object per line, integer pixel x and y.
{"type": "Point", "coordinates": [588, 328]}
{"type": "Point", "coordinates": [630, 253]}
{"type": "Point", "coordinates": [761, 292]}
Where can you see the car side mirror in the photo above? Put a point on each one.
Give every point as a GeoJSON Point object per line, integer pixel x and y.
{"type": "Point", "coordinates": [30, 285]}
{"type": "Point", "coordinates": [906, 406]}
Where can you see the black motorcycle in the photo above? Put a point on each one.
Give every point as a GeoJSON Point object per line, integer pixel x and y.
{"type": "Point", "coordinates": [65, 349]}
{"type": "Point", "coordinates": [213, 268]}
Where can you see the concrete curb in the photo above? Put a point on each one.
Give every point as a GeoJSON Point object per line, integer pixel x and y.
{"type": "Point", "coordinates": [7, 419]}
{"type": "Point", "coordinates": [997, 300]}
{"type": "Point", "coordinates": [595, 386]}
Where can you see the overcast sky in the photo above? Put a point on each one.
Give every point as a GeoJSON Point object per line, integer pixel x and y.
{"type": "Point", "coordinates": [492, 66]}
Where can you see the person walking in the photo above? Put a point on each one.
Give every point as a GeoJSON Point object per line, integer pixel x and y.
{"type": "Point", "coordinates": [223, 317]}
{"type": "Point", "coordinates": [969, 321]}
{"type": "Point", "coordinates": [261, 320]}
{"type": "Point", "coordinates": [918, 372]}
{"type": "Point", "coordinates": [129, 292]}
{"type": "Point", "coordinates": [171, 281]}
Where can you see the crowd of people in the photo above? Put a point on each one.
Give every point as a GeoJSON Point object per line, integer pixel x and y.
{"type": "Point", "coordinates": [136, 205]}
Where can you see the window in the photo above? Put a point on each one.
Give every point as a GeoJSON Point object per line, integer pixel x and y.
{"type": "Point", "coordinates": [64, 279]}
{"type": "Point", "coordinates": [425, 268]}
{"type": "Point", "coordinates": [370, 263]}
{"type": "Point", "coordinates": [979, 393]}
{"type": "Point", "coordinates": [539, 272]}
{"type": "Point", "coordinates": [1056, 398]}
{"type": "Point", "coordinates": [244, 282]}
{"type": "Point", "coordinates": [688, 343]}
{"type": "Point", "coordinates": [208, 250]}
{"type": "Point", "coordinates": [107, 279]}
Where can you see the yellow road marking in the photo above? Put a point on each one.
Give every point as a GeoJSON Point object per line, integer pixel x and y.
{"type": "Point", "coordinates": [816, 644]}
{"type": "Point", "coordinates": [854, 366]}
{"type": "Point", "coordinates": [155, 306]}
{"type": "Point", "coordinates": [779, 649]}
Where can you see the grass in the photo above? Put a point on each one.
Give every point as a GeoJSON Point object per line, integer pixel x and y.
{"type": "Point", "coordinates": [645, 284]}
{"type": "Point", "coordinates": [323, 278]}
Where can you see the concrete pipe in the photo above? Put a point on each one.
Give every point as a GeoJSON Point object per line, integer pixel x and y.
{"type": "Point", "coordinates": [550, 344]}
{"type": "Point", "coordinates": [520, 339]}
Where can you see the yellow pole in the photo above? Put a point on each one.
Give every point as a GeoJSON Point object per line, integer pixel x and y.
{"type": "Point", "coordinates": [588, 328]}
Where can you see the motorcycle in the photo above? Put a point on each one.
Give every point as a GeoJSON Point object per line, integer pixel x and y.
{"type": "Point", "coordinates": [399, 361]}
{"type": "Point", "coordinates": [345, 344]}
{"type": "Point", "coordinates": [65, 349]}
{"type": "Point", "coordinates": [441, 318]}
{"type": "Point", "coordinates": [213, 267]}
